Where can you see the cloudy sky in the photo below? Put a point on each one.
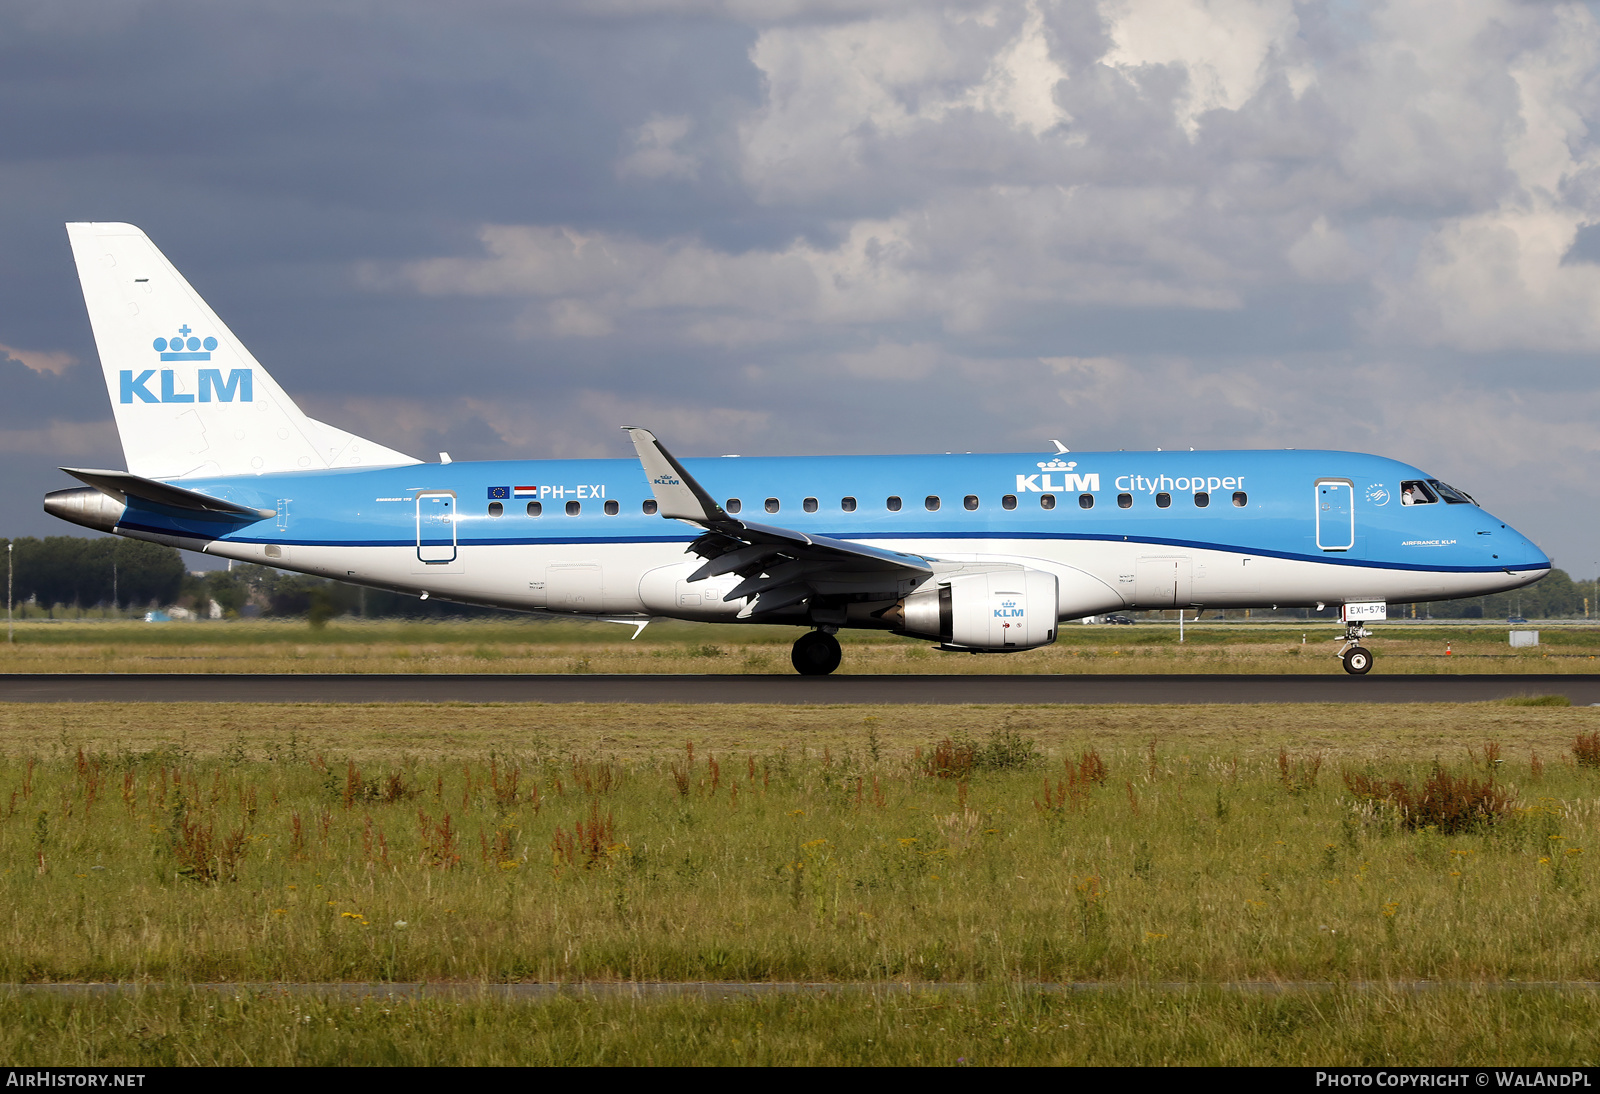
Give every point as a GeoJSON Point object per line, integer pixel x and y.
{"type": "Point", "coordinates": [502, 228]}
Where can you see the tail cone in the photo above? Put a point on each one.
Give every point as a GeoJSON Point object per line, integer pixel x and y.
{"type": "Point", "coordinates": [86, 506]}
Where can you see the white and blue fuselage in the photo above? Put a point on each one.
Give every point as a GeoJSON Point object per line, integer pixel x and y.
{"type": "Point", "coordinates": [975, 552]}
{"type": "Point", "coordinates": [1264, 528]}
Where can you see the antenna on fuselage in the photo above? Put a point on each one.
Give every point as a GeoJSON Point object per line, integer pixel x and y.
{"type": "Point", "coordinates": [1060, 448]}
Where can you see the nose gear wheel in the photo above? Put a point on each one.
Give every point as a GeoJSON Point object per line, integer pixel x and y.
{"type": "Point", "coordinates": [1356, 657]}
{"type": "Point", "coordinates": [1357, 660]}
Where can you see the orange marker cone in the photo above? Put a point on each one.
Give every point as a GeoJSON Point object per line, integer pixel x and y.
{"type": "Point", "coordinates": [1447, 649]}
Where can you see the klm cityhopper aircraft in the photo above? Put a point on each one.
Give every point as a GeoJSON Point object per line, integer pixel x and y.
{"type": "Point", "coordinates": [985, 553]}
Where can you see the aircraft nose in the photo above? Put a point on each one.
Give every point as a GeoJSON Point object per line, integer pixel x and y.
{"type": "Point", "coordinates": [1521, 552]}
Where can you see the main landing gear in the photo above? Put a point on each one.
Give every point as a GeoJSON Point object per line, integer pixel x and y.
{"type": "Point", "coordinates": [1356, 657]}
{"type": "Point", "coordinates": [816, 654]}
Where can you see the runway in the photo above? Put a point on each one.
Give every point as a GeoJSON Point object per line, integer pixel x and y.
{"type": "Point", "coordinates": [1582, 690]}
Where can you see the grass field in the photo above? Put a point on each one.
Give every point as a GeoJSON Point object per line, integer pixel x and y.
{"type": "Point", "coordinates": [995, 1025]}
{"type": "Point", "coordinates": [540, 646]}
{"type": "Point", "coordinates": [997, 847]}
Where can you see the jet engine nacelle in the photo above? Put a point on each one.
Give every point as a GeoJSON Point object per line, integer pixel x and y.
{"type": "Point", "coordinates": [995, 612]}
{"type": "Point", "coordinates": [86, 506]}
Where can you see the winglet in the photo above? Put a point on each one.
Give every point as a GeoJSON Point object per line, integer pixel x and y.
{"type": "Point", "coordinates": [676, 491]}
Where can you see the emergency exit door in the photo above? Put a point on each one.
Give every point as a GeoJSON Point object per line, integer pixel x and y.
{"type": "Point", "coordinates": [436, 527]}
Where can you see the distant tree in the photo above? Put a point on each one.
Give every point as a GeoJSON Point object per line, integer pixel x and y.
{"type": "Point", "coordinates": [1556, 596]}
{"type": "Point", "coordinates": [145, 572]}
{"type": "Point", "coordinates": [86, 572]}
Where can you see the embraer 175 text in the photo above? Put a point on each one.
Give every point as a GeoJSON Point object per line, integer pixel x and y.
{"type": "Point", "coordinates": [984, 553]}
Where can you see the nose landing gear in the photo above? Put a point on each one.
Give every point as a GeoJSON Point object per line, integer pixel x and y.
{"type": "Point", "coordinates": [816, 654]}
{"type": "Point", "coordinates": [1356, 657]}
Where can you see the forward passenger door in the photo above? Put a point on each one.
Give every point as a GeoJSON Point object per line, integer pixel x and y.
{"type": "Point", "coordinates": [1336, 514]}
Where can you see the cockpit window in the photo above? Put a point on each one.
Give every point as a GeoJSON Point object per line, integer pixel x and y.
{"type": "Point", "coordinates": [1450, 494]}
{"type": "Point", "coordinates": [1416, 493]}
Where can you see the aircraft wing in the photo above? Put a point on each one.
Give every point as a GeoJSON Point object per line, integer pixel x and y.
{"type": "Point", "coordinates": [780, 566]}
{"type": "Point", "coordinates": [122, 485]}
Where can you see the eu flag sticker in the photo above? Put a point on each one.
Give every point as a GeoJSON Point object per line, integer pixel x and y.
{"type": "Point", "coordinates": [499, 493]}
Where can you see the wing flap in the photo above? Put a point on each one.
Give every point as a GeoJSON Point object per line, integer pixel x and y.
{"type": "Point", "coordinates": [775, 599]}
{"type": "Point", "coordinates": [737, 561]}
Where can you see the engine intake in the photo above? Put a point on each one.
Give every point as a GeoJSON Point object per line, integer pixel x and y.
{"type": "Point", "coordinates": [994, 612]}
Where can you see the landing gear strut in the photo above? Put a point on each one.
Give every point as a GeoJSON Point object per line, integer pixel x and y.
{"type": "Point", "coordinates": [816, 654]}
{"type": "Point", "coordinates": [1356, 657]}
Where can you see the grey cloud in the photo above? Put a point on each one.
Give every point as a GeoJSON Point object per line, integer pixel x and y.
{"type": "Point", "coordinates": [499, 228]}
{"type": "Point", "coordinates": [76, 394]}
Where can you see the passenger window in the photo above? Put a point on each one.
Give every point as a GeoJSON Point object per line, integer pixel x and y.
{"type": "Point", "coordinates": [847, 504]}
{"type": "Point", "coordinates": [733, 506]}
{"type": "Point", "coordinates": [894, 504]}
{"type": "Point", "coordinates": [496, 509]}
{"type": "Point", "coordinates": [931, 503]}
{"type": "Point", "coordinates": [809, 505]}
{"type": "Point", "coordinates": [971, 502]}
{"type": "Point", "coordinates": [1085, 501]}
{"type": "Point", "coordinates": [772, 505]}
{"type": "Point", "coordinates": [1047, 501]}
{"type": "Point", "coordinates": [534, 508]}
{"type": "Point", "coordinates": [1163, 501]}
{"type": "Point", "coordinates": [1201, 500]}
{"type": "Point", "coordinates": [1124, 501]}
{"type": "Point", "coordinates": [1416, 493]}
{"type": "Point", "coordinates": [612, 508]}
{"type": "Point", "coordinates": [1240, 498]}
{"type": "Point", "coordinates": [1008, 502]}
{"type": "Point", "coordinates": [650, 508]}
{"type": "Point", "coordinates": [574, 508]}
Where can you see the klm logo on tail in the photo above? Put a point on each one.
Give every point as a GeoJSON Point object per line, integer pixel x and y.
{"type": "Point", "coordinates": [212, 387]}
{"type": "Point", "coordinates": [238, 385]}
{"type": "Point", "coordinates": [185, 347]}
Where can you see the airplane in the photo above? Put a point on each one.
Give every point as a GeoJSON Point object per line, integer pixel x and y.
{"type": "Point", "coordinates": [981, 553]}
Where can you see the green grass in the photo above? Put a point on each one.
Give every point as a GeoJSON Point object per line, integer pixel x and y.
{"type": "Point", "coordinates": [526, 843]}
{"type": "Point", "coordinates": [547, 646]}
{"type": "Point", "coordinates": [999, 1025]}
{"type": "Point", "coordinates": [1223, 847]}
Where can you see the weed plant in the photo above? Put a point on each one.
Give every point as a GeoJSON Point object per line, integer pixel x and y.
{"type": "Point", "coordinates": [1022, 855]}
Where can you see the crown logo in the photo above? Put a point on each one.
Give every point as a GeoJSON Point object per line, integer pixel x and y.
{"type": "Point", "coordinates": [1057, 465]}
{"type": "Point", "coordinates": [185, 347]}
{"type": "Point", "coordinates": [1008, 603]}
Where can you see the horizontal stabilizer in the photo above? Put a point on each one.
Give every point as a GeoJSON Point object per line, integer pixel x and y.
{"type": "Point", "coordinates": [122, 485]}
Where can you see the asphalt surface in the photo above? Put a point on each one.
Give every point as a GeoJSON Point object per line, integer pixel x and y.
{"type": "Point", "coordinates": [1582, 690]}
